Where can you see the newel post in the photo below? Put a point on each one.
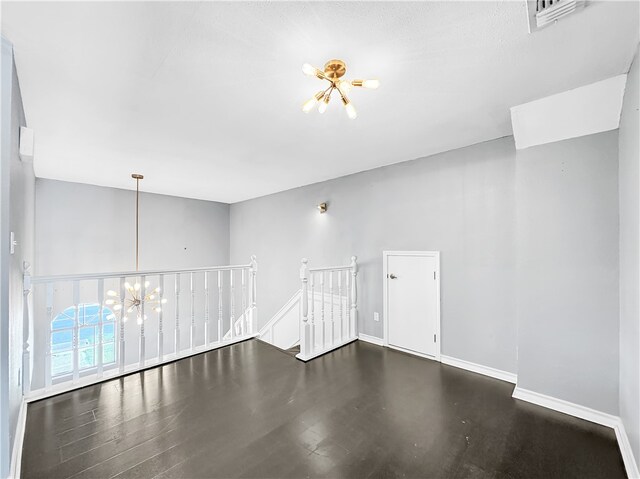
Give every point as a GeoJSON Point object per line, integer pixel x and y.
{"type": "Point", "coordinates": [354, 297]}
{"type": "Point", "coordinates": [26, 331]}
{"type": "Point", "coordinates": [304, 309]}
{"type": "Point", "coordinates": [253, 269]}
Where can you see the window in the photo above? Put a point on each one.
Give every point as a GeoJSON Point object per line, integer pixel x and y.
{"type": "Point", "coordinates": [88, 336]}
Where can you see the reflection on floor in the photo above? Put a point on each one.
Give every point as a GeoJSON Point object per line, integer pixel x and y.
{"type": "Point", "coordinates": [251, 410]}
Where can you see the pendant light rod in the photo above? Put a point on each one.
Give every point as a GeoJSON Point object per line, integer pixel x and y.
{"type": "Point", "coordinates": [137, 177]}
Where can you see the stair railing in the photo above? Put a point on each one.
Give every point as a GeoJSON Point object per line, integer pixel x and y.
{"type": "Point", "coordinates": [89, 327]}
{"type": "Point", "coordinates": [329, 311]}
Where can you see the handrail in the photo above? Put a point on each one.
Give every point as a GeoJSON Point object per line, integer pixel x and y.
{"type": "Point", "coordinates": [101, 345]}
{"type": "Point", "coordinates": [331, 268]}
{"type": "Point", "coordinates": [120, 274]}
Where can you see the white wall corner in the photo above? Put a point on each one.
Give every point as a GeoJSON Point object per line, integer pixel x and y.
{"type": "Point", "coordinates": [18, 442]}
{"type": "Point", "coordinates": [588, 414]}
{"type": "Point", "coordinates": [479, 368]}
{"type": "Point", "coordinates": [370, 339]}
{"type": "Point", "coordinates": [586, 110]}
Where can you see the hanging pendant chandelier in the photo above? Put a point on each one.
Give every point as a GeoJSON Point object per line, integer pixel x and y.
{"type": "Point", "coordinates": [334, 70]}
{"type": "Point", "coordinates": [137, 297]}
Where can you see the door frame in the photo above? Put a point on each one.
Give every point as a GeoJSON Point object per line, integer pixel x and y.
{"type": "Point", "coordinates": [385, 300]}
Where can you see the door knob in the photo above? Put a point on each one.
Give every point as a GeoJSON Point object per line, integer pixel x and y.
{"type": "Point", "coordinates": [392, 276]}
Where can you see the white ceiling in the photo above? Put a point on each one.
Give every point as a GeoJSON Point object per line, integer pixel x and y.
{"type": "Point", "coordinates": [204, 98]}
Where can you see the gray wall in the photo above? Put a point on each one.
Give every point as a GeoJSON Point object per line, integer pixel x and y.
{"type": "Point", "coordinates": [17, 216]}
{"type": "Point", "coordinates": [567, 263]}
{"type": "Point", "coordinates": [460, 203]}
{"type": "Point", "coordinates": [630, 262]}
{"type": "Point", "coordinates": [529, 246]}
{"type": "Point", "coordinates": [83, 228]}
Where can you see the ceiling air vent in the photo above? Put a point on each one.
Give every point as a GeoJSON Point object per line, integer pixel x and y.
{"type": "Point", "coordinates": [546, 12]}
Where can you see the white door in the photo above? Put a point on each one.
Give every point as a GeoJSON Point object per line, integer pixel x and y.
{"type": "Point", "coordinates": [413, 302]}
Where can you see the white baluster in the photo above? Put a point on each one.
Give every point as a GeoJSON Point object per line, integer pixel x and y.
{"type": "Point", "coordinates": [232, 305]}
{"type": "Point", "coordinates": [47, 357]}
{"type": "Point", "coordinates": [26, 330]}
{"type": "Point", "coordinates": [123, 313]}
{"type": "Point", "coordinates": [322, 299]}
{"type": "Point", "coordinates": [207, 339]}
{"type": "Point", "coordinates": [76, 330]}
{"type": "Point", "coordinates": [192, 337]}
{"type": "Point", "coordinates": [354, 298]}
{"type": "Point", "coordinates": [332, 296]}
{"type": "Point", "coordinates": [304, 324]}
{"type": "Point", "coordinates": [177, 324]}
{"type": "Point", "coordinates": [161, 318]}
{"type": "Point", "coordinates": [143, 292]}
{"type": "Point", "coordinates": [253, 326]}
{"type": "Point", "coordinates": [348, 302]}
{"type": "Point", "coordinates": [245, 315]}
{"type": "Point", "coordinates": [100, 327]}
{"type": "Point", "coordinates": [220, 336]}
{"type": "Point", "coordinates": [340, 315]}
{"type": "Point", "coordinates": [312, 315]}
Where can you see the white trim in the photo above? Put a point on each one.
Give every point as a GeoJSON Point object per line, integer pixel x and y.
{"type": "Point", "coordinates": [410, 351]}
{"type": "Point", "coordinates": [625, 450]}
{"type": "Point", "coordinates": [565, 407]}
{"type": "Point", "coordinates": [18, 441]}
{"type": "Point", "coordinates": [38, 394]}
{"type": "Point", "coordinates": [480, 369]}
{"type": "Point", "coordinates": [325, 351]}
{"type": "Point", "coordinates": [588, 414]}
{"type": "Point", "coordinates": [370, 339]}
{"type": "Point", "coordinates": [385, 305]}
{"type": "Point", "coordinates": [122, 274]}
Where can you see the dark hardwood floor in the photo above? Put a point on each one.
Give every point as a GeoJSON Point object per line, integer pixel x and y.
{"type": "Point", "coordinates": [251, 410]}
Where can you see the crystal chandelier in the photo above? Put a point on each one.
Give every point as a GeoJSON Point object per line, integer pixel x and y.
{"type": "Point", "coordinates": [334, 70]}
{"type": "Point", "coordinates": [135, 295]}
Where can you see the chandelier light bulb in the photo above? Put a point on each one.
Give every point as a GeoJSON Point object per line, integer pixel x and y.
{"type": "Point", "coordinates": [371, 84]}
{"type": "Point", "coordinates": [136, 287]}
{"type": "Point", "coordinates": [308, 69]}
{"type": "Point", "coordinates": [311, 102]}
{"type": "Point", "coordinates": [164, 300]}
{"type": "Point", "coordinates": [351, 111]}
{"type": "Point", "coordinates": [322, 107]}
{"type": "Point", "coordinates": [345, 86]}
{"type": "Point", "coordinates": [124, 319]}
{"type": "Point", "coordinates": [112, 293]}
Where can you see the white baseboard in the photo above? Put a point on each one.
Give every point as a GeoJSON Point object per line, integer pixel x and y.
{"type": "Point", "coordinates": [370, 339]}
{"type": "Point", "coordinates": [18, 442]}
{"type": "Point", "coordinates": [566, 407]}
{"type": "Point", "coordinates": [479, 368]}
{"type": "Point", "coordinates": [587, 414]}
{"type": "Point", "coordinates": [627, 453]}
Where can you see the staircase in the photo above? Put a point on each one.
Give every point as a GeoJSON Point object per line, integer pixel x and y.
{"type": "Point", "coordinates": [324, 311]}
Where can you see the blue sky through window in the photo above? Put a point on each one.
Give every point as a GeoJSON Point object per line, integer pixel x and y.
{"type": "Point", "coordinates": [88, 336]}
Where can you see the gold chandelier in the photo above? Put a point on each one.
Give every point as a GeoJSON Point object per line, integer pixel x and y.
{"type": "Point", "coordinates": [334, 70]}
{"type": "Point", "coordinates": [137, 295]}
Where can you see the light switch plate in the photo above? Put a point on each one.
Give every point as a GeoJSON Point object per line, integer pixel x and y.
{"type": "Point", "coordinates": [376, 316]}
